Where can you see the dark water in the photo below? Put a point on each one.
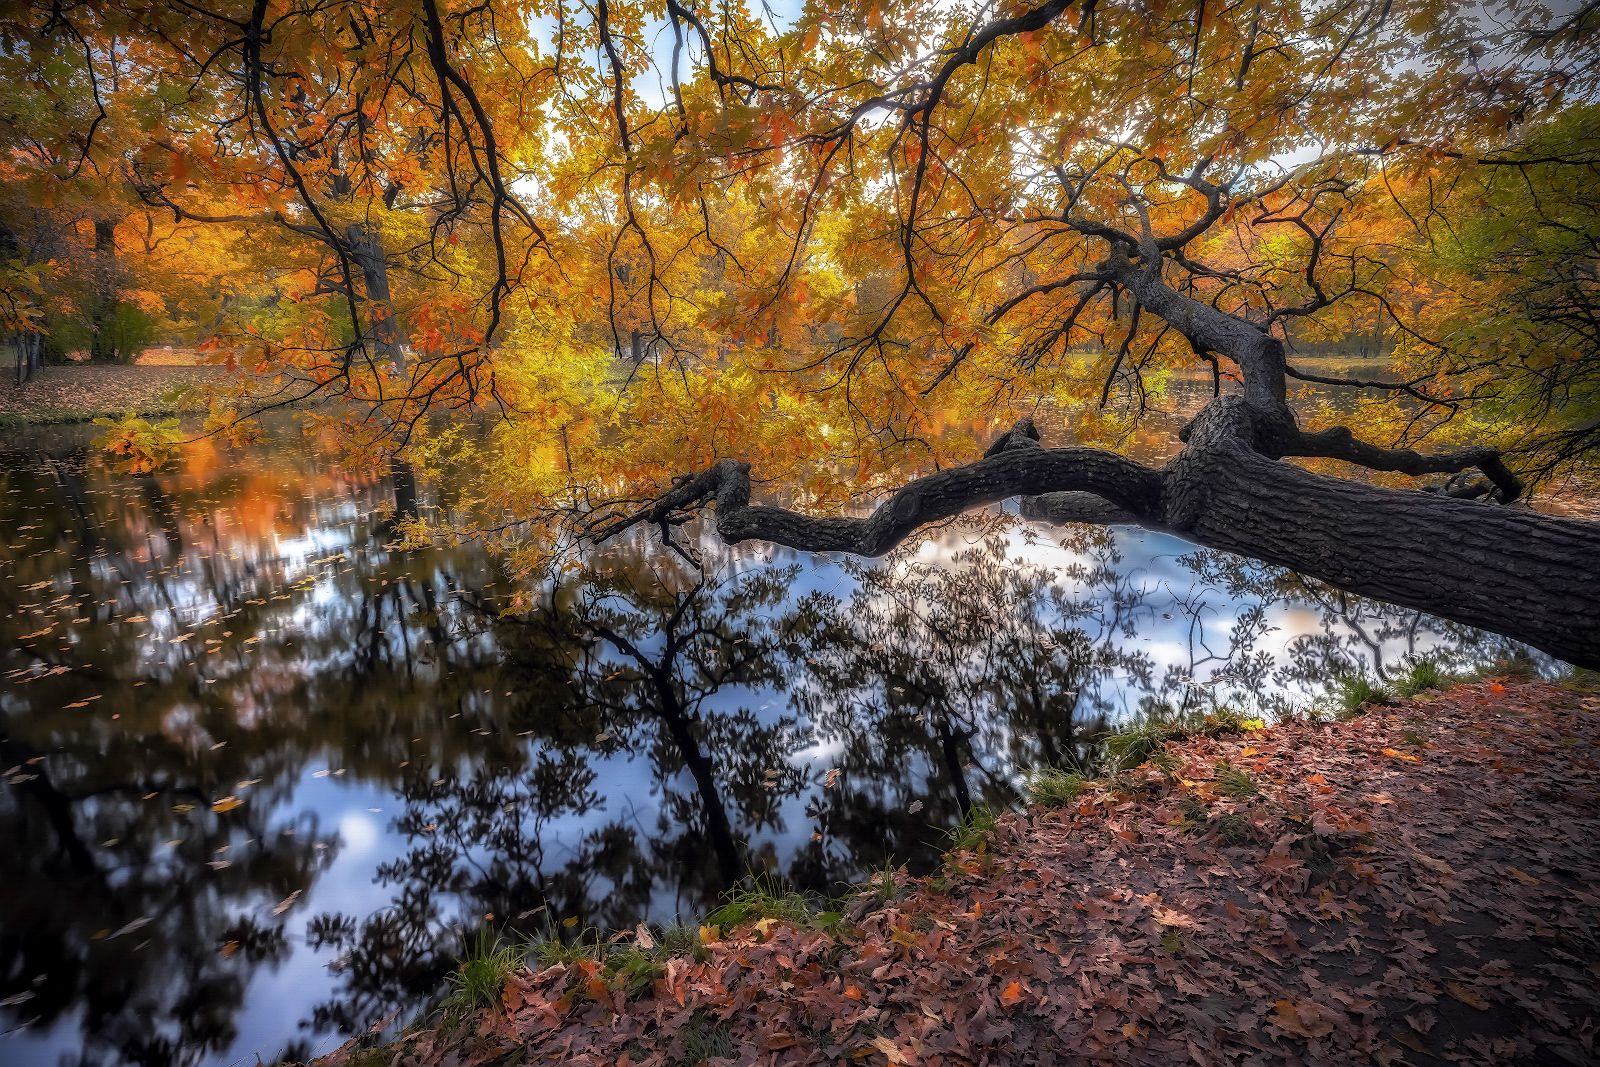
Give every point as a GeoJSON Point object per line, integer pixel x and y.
{"type": "Point", "coordinates": [261, 772]}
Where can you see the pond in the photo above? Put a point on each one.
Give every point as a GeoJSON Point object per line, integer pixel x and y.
{"type": "Point", "coordinates": [263, 773]}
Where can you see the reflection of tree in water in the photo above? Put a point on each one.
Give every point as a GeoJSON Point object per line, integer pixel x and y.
{"type": "Point", "coordinates": [649, 681]}
{"type": "Point", "coordinates": [729, 698]}
{"type": "Point", "coordinates": [626, 751]}
{"type": "Point", "coordinates": [155, 663]}
{"type": "Point", "coordinates": [1353, 636]}
{"type": "Point", "coordinates": [931, 682]}
{"type": "Point", "coordinates": [131, 902]}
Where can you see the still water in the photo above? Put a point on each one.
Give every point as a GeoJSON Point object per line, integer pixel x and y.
{"type": "Point", "coordinates": [263, 773]}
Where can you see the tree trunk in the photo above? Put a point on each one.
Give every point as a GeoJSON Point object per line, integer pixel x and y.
{"type": "Point", "coordinates": [367, 250]}
{"type": "Point", "coordinates": [103, 302]}
{"type": "Point", "coordinates": [1529, 576]}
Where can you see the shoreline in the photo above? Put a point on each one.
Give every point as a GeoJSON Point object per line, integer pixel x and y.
{"type": "Point", "coordinates": [73, 393]}
{"type": "Point", "coordinates": [1407, 885]}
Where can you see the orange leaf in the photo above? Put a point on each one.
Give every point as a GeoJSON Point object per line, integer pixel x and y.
{"type": "Point", "coordinates": [1301, 1018]}
{"type": "Point", "coordinates": [1011, 993]}
{"type": "Point", "coordinates": [1395, 753]}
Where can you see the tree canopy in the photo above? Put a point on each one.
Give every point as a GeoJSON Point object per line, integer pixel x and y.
{"type": "Point", "coordinates": [845, 246]}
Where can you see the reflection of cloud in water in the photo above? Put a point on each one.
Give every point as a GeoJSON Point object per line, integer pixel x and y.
{"type": "Point", "coordinates": [358, 834]}
{"type": "Point", "coordinates": [619, 754]}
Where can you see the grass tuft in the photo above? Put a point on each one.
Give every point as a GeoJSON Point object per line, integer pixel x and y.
{"type": "Point", "coordinates": [633, 969]}
{"type": "Point", "coordinates": [1234, 781]}
{"type": "Point", "coordinates": [1053, 787]}
{"type": "Point", "coordinates": [971, 834]}
{"type": "Point", "coordinates": [704, 1039]}
{"type": "Point", "coordinates": [1422, 675]}
{"type": "Point", "coordinates": [1130, 747]}
{"type": "Point", "coordinates": [764, 898]}
{"type": "Point", "coordinates": [1354, 693]}
{"type": "Point", "coordinates": [481, 978]}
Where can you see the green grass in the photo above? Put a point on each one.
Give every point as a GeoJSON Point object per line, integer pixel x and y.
{"type": "Point", "coordinates": [633, 969]}
{"type": "Point", "coordinates": [481, 978]}
{"type": "Point", "coordinates": [764, 898]}
{"type": "Point", "coordinates": [1354, 693]}
{"type": "Point", "coordinates": [1232, 827]}
{"type": "Point", "coordinates": [1134, 745]}
{"type": "Point", "coordinates": [1222, 722]}
{"type": "Point", "coordinates": [1233, 781]}
{"type": "Point", "coordinates": [705, 1039]}
{"type": "Point", "coordinates": [551, 950]}
{"type": "Point", "coordinates": [1422, 675]}
{"type": "Point", "coordinates": [1582, 680]}
{"type": "Point", "coordinates": [1053, 787]}
{"type": "Point", "coordinates": [886, 885]}
{"type": "Point", "coordinates": [679, 939]}
{"type": "Point", "coordinates": [971, 834]}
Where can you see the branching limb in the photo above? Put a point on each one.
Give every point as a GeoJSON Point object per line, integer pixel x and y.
{"type": "Point", "coordinates": [1016, 466]}
{"type": "Point", "coordinates": [1340, 443]}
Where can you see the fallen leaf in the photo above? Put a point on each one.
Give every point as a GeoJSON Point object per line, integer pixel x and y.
{"type": "Point", "coordinates": [1467, 995]}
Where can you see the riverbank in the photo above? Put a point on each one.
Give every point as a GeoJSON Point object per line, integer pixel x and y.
{"type": "Point", "coordinates": [1414, 885]}
{"type": "Point", "coordinates": [81, 392]}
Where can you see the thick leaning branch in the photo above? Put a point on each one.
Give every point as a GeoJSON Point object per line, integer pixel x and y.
{"type": "Point", "coordinates": [1016, 466]}
{"type": "Point", "coordinates": [1508, 570]}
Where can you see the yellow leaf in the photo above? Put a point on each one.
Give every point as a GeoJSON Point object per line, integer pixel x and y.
{"type": "Point", "coordinates": [1395, 753]}
{"type": "Point", "coordinates": [227, 803]}
{"type": "Point", "coordinates": [889, 1049]}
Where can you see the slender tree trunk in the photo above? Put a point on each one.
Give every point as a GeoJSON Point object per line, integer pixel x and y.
{"type": "Point", "coordinates": [366, 248]}
{"type": "Point", "coordinates": [103, 302]}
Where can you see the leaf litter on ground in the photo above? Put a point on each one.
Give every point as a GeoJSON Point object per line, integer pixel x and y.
{"type": "Point", "coordinates": [1354, 908]}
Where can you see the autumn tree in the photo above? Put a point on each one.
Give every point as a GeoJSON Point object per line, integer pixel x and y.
{"type": "Point", "coordinates": [1077, 197]}
{"type": "Point", "coordinates": [854, 243]}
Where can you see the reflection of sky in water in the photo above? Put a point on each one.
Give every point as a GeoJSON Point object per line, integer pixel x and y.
{"type": "Point", "coordinates": [239, 630]}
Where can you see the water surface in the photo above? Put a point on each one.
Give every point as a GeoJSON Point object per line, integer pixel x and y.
{"type": "Point", "coordinates": [263, 772]}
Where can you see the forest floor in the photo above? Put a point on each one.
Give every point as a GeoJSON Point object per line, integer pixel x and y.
{"type": "Point", "coordinates": [1418, 885]}
{"type": "Point", "coordinates": [77, 392]}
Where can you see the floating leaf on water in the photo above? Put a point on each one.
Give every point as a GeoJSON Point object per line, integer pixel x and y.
{"type": "Point", "coordinates": [286, 903]}
{"type": "Point", "coordinates": [137, 924]}
{"type": "Point", "coordinates": [227, 803]}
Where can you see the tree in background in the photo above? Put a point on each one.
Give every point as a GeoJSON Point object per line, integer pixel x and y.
{"type": "Point", "coordinates": [843, 248]}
